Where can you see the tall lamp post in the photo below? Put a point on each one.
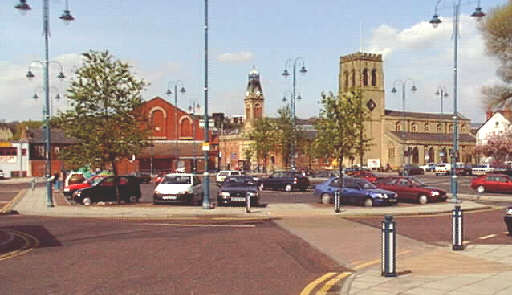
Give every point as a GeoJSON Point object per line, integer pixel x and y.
{"type": "Point", "coordinates": [169, 92]}
{"type": "Point", "coordinates": [403, 83]}
{"type": "Point", "coordinates": [442, 93]}
{"type": "Point", "coordinates": [57, 97]}
{"type": "Point", "coordinates": [66, 17]}
{"type": "Point", "coordinates": [478, 14]}
{"type": "Point", "coordinates": [293, 64]}
{"type": "Point", "coordinates": [206, 144]}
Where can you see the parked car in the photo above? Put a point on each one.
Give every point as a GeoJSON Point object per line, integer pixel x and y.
{"type": "Point", "coordinates": [463, 169]}
{"type": "Point", "coordinates": [104, 190]}
{"type": "Point", "coordinates": [321, 176]}
{"type": "Point", "coordinates": [287, 181]}
{"type": "Point", "coordinates": [411, 189]}
{"type": "Point", "coordinates": [178, 187]}
{"type": "Point", "coordinates": [411, 169]}
{"type": "Point", "coordinates": [74, 178]}
{"type": "Point", "coordinates": [221, 176]}
{"type": "Point", "coordinates": [482, 169]}
{"type": "Point", "coordinates": [508, 220]}
{"type": "Point", "coordinates": [442, 169]}
{"type": "Point", "coordinates": [355, 191]}
{"type": "Point", "coordinates": [492, 182]}
{"type": "Point", "coordinates": [70, 189]}
{"type": "Point", "coordinates": [234, 189]}
{"type": "Point", "coordinates": [368, 175]}
{"type": "Point", "coordinates": [2, 175]}
{"type": "Point", "coordinates": [429, 167]}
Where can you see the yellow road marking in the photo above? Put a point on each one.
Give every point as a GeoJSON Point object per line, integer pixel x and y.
{"type": "Point", "coordinates": [376, 261]}
{"type": "Point", "coordinates": [27, 247]}
{"type": "Point", "coordinates": [200, 225]}
{"type": "Point", "coordinates": [328, 285]}
{"type": "Point", "coordinates": [307, 290]}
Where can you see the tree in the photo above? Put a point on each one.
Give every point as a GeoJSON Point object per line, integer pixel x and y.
{"type": "Point", "coordinates": [497, 31]}
{"type": "Point", "coordinates": [262, 136]}
{"type": "Point", "coordinates": [104, 118]}
{"type": "Point", "coordinates": [363, 142]}
{"type": "Point", "coordinates": [285, 134]}
{"type": "Point", "coordinates": [23, 126]}
{"type": "Point", "coordinates": [498, 146]}
{"type": "Point", "coordinates": [336, 127]}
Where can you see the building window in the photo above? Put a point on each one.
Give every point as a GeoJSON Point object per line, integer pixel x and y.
{"type": "Point", "coordinates": [391, 153]}
{"type": "Point", "coordinates": [186, 128]}
{"type": "Point", "coordinates": [353, 78]}
{"type": "Point", "coordinates": [365, 77]}
{"type": "Point", "coordinates": [463, 128]}
{"type": "Point", "coordinates": [374, 77]}
{"type": "Point", "coordinates": [426, 126]}
{"type": "Point", "coordinates": [413, 127]}
{"type": "Point", "coordinates": [398, 126]}
{"type": "Point", "coordinates": [496, 125]}
{"type": "Point", "coordinates": [439, 128]}
{"type": "Point", "coordinates": [450, 128]}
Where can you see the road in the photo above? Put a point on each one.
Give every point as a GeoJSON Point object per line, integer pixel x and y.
{"type": "Point", "coordinates": [87, 256]}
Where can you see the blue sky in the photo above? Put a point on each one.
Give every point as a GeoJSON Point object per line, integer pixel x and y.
{"type": "Point", "coordinates": [164, 41]}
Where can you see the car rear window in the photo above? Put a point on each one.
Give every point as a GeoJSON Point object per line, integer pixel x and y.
{"type": "Point", "coordinates": [177, 179]}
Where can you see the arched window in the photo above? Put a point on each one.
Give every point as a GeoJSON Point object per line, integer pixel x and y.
{"type": "Point", "coordinates": [439, 128]}
{"type": "Point", "coordinates": [414, 127]}
{"type": "Point", "coordinates": [463, 128]}
{"type": "Point", "coordinates": [186, 128]}
{"type": "Point", "coordinates": [365, 77]}
{"type": "Point", "coordinates": [353, 78]}
{"type": "Point", "coordinates": [450, 128]}
{"type": "Point", "coordinates": [345, 74]}
{"type": "Point", "coordinates": [398, 126]}
{"type": "Point", "coordinates": [158, 123]}
{"type": "Point", "coordinates": [426, 126]}
{"type": "Point", "coordinates": [374, 77]}
{"type": "Point", "coordinates": [257, 111]}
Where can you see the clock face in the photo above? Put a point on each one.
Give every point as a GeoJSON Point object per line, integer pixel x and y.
{"type": "Point", "coordinates": [371, 105]}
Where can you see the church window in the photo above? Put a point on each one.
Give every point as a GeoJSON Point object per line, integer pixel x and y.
{"type": "Point", "coordinates": [439, 128]}
{"type": "Point", "coordinates": [374, 77]}
{"type": "Point", "coordinates": [426, 126]}
{"type": "Point", "coordinates": [413, 127]}
{"type": "Point", "coordinates": [353, 78]}
{"type": "Point", "coordinates": [398, 126]}
{"type": "Point", "coordinates": [365, 77]}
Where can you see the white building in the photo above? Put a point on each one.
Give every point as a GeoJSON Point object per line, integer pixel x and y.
{"type": "Point", "coordinates": [496, 123]}
{"type": "Point", "coordinates": [14, 159]}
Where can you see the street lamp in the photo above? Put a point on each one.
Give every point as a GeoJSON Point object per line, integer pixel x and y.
{"type": "Point", "coordinates": [206, 144]}
{"type": "Point", "coordinates": [293, 64]}
{"type": "Point", "coordinates": [23, 7]}
{"type": "Point", "coordinates": [478, 14]}
{"type": "Point", "coordinates": [169, 93]}
{"type": "Point", "coordinates": [57, 97]}
{"type": "Point", "coordinates": [405, 130]}
{"type": "Point", "coordinates": [442, 93]}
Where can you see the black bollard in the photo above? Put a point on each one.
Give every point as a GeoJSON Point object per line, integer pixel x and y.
{"type": "Point", "coordinates": [457, 228]}
{"type": "Point", "coordinates": [247, 202]}
{"type": "Point", "coordinates": [337, 202]}
{"type": "Point", "coordinates": [388, 255]}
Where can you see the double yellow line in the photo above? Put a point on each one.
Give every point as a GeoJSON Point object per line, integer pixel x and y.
{"type": "Point", "coordinates": [328, 280]}
{"type": "Point", "coordinates": [30, 242]}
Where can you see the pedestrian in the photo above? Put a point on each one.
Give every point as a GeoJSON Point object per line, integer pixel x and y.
{"type": "Point", "coordinates": [56, 181]}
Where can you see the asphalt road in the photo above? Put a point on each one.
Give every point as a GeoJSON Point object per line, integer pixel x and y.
{"type": "Point", "coordinates": [87, 256]}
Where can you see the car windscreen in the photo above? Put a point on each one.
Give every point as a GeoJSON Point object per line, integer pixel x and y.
{"type": "Point", "coordinates": [417, 182]}
{"type": "Point", "coordinates": [177, 179]}
{"type": "Point", "coordinates": [239, 181]}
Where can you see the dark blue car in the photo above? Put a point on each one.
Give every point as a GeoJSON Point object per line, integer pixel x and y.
{"type": "Point", "coordinates": [355, 191]}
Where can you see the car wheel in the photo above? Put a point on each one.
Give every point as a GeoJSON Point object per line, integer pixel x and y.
{"type": "Point", "coordinates": [325, 198]}
{"type": "Point", "coordinates": [86, 201]}
{"type": "Point", "coordinates": [480, 189]}
{"type": "Point", "coordinates": [368, 202]}
{"type": "Point", "coordinates": [422, 199]}
{"type": "Point", "coordinates": [288, 188]}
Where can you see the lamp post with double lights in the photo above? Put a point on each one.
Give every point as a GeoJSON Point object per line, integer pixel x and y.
{"type": "Point", "coordinates": [66, 17]}
{"type": "Point", "coordinates": [442, 93]}
{"type": "Point", "coordinates": [403, 83]}
{"type": "Point", "coordinates": [293, 64]}
{"type": "Point", "coordinates": [56, 98]}
{"type": "Point", "coordinates": [478, 14]}
{"type": "Point", "coordinates": [169, 92]}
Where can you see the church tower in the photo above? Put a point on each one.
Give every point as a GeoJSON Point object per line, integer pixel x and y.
{"type": "Point", "coordinates": [253, 99]}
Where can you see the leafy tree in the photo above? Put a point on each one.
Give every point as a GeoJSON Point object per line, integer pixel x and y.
{"type": "Point", "coordinates": [498, 146]}
{"type": "Point", "coordinates": [336, 127]}
{"type": "Point", "coordinates": [363, 142]}
{"type": "Point", "coordinates": [103, 118]}
{"type": "Point", "coordinates": [23, 126]}
{"type": "Point", "coordinates": [497, 31]}
{"type": "Point", "coordinates": [262, 135]}
{"type": "Point", "coordinates": [285, 134]}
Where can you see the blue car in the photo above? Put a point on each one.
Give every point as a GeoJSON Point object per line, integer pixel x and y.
{"type": "Point", "coordinates": [355, 191]}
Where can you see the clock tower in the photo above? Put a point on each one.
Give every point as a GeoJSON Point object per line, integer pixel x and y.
{"type": "Point", "coordinates": [253, 99]}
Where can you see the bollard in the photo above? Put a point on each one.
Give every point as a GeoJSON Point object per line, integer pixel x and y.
{"type": "Point", "coordinates": [337, 201]}
{"type": "Point", "coordinates": [247, 202]}
{"type": "Point", "coordinates": [388, 255]}
{"type": "Point", "coordinates": [33, 184]}
{"type": "Point", "coordinates": [457, 228]}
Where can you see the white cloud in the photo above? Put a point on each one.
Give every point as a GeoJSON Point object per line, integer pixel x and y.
{"type": "Point", "coordinates": [235, 57]}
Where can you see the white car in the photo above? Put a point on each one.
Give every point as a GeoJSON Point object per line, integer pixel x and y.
{"type": "Point", "coordinates": [178, 187]}
{"type": "Point", "coordinates": [443, 169]}
{"type": "Point", "coordinates": [221, 176]}
{"type": "Point", "coordinates": [482, 169]}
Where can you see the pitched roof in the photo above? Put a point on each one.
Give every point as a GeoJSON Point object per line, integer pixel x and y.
{"type": "Point", "coordinates": [422, 115]}
{"type": "Point", "coordinates": [433, 137]}
{"type": "Point", "coordinates": [170, 149]}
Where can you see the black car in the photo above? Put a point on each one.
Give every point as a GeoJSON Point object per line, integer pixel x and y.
{"type": "Point", "coordinates": [235, 189]}
{"type": "Point", "coordinates": [508, 220]}
{"type": "Point", "coordinates": [287, 181]}
{"type": "Point", "coordinates": [411, 170]}
{"type": "Point", "coordinates": [104, 190]}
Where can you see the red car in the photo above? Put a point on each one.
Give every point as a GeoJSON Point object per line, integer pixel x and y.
{"type": "Point", "coordinates": [71, 188]}
{"type": "Point", "coordinates": [492, 183]}
{"type": "Point", "coordinates": [363, 174]}
{"type": "Point", "coordinates": [411, 189]}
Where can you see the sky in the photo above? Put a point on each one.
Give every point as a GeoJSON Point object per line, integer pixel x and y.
{"type": "Point", "coordinates": [163, 41]}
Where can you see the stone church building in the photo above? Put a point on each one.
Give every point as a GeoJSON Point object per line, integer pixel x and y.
{"type": "Point", "coordinates": [397, 137]}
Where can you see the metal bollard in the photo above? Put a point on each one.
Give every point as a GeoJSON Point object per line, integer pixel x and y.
{"type": "Point", "coordinates": [33, 184]}
{"type": "Point", "coordinates": [388, 255]}
{"type": "Point", "coordinates": [337, 202]}
{"type": "Point", "coordinates": [247, 203]}
{"type": "Point", "coordinates": [457, 228]}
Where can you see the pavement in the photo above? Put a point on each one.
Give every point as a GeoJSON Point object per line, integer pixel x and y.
{"type": "Point", "coordinates": [422, 268]}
